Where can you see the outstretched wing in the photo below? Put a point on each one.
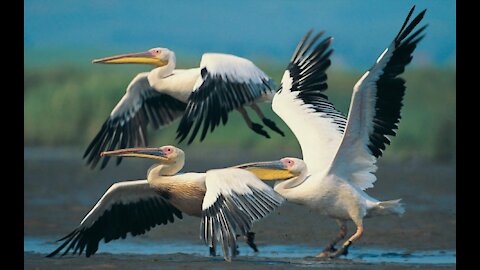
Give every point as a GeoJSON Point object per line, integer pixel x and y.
{"type": "Point", "coordinates": [127, 207]}
{"type": "Point", "coordinates": [227, 82]}
{"type": "Point", "coordinates": [235, 198]}
{"type": "Point", "coordinates": [375, 108]}
{"type": "Point", "coordinates": [303, 104]}
{"type": "Point", "coordinates": [127, 124]}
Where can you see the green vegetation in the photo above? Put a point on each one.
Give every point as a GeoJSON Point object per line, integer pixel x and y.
{"type": "Point", "coordinates": [66, 105]}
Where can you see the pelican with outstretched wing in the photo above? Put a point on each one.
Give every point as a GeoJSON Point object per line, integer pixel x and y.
{"type": "Point", "coordinates": [203, 97]}
{"type": "Point", "coordinates": [228, 201]}
{"type": "Point", "coordinates": [341, 152]}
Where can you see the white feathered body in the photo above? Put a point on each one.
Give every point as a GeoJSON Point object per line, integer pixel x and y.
{"type": "Point", "coordinates": [180, 83]}
{"type": "Point", "coordinates": [334, 197]}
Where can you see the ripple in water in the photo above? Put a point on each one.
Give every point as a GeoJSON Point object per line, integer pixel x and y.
{"type": "Point", "coordinates": [357, 254]}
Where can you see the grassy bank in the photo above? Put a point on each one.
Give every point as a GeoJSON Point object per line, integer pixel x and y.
{"type": "Point", "coordinates": [66, 105]}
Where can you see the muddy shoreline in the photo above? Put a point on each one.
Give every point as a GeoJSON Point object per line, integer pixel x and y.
{"type": "Point", "coordinates": [59, 192]}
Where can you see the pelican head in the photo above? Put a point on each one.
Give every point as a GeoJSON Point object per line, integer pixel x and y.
{"type": "Point", "coordinates": [156, 56]}
{"type": "Point", "coordinates": [282, 169]}
{"type": "Point", "coordinates": [164, 154]}
{"type": "Point", "coordinates": [295, 165]}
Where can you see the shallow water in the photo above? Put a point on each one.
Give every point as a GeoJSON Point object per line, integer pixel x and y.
{"type": "Point", "coordinates": [360, 254]}
{"type": "Point", "coordinates": [59, 191]}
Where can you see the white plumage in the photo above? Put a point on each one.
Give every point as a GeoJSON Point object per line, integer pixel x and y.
{"type": "Point", "coordinates": [234, 200]}
{"type": "Point", "coordinates": [226, 182]}
{"type": "Point", "coordinates": [127, 192]}
{"type": "Point", "coordinates": [231, 67]}
{"type": "Point", "coordinates": [319, 135]}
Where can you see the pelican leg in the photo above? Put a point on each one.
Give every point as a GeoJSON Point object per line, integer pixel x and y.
{"type": "Point", "coordinates": [253, 126]}
{"type": "Point", "coordinates": [249, 239]}
{"type": "Point", "coordinates": [212, 249]}
{"type": "Point", "coordinates": [330, 248]}
{"type": "Point", "coordinates": [269, 123]}
{"type": "Point", "coordinates": [236, 251]}
{"type": "Point", "coordinates": [344, 249]}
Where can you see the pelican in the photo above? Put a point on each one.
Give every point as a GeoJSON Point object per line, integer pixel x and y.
{"type": "Point", "coordinates": [227, 200]}
{"type": "Point", "coordinates": [206, 94]}
{"type": "Point", "coordinates": [341, 152]}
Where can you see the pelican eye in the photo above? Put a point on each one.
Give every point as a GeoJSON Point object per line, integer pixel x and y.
{"type": "Point", "coordinates": [288, 162]}
{"type": "Point", "coordinates": [168, 150]}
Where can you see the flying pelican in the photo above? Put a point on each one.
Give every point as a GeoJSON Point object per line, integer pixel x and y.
{"type": "Point", "coordinates": [206, 94]}
{"type": "Point", "coordinates": [227, 200]}
{"type": "Point", "coordinates": [341, 152]}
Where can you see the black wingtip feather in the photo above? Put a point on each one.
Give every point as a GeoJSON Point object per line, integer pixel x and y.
{"type": "Point", "coordinates": [68, 238]}
{"type": "Point", "coordinates": [116, 223]}
{"type": "Point", "coordinates": [391, 88]}
{"type": "Point", "coordinates": [300, 45]}
{"type": "Point", "coordinates": [405, 22]}
{"type": "Point", "coordinates": [130, 129]}
{"type": "Point", "coordinates": [308, 72]}
{"type": "Point", "coordinates": [405, 32]}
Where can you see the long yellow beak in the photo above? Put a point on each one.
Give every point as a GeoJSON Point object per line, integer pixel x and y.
{"type": "Point", "coordinates": [269, 170]}
{"type": "Point", "coordinates": [152, 153]}
{"type": "Point", "coordinates": [132, 58]}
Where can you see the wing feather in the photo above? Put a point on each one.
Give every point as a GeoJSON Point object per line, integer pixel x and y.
{"type": "Point", "coordinates": [234, 199]}
{"type": "Point", "coordinates": [227, 82]}
{"type": "Point", "coordinates": [375, 108]}
{"type": "Point", "coordinates": [127, 124]}
{"type": "Point", "coordinates": [127, 207]}
{"type": "Point", "coordinates": [304, 106]}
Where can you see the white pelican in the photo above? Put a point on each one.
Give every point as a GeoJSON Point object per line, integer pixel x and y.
{"type": "Point", "coordinates": [228, 201]}
{"type": "Point", "coordinates": [206, 94]}
{"type": "Point", "coordinates": [340, 152]}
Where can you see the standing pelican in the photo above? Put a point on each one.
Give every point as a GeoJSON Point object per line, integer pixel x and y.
{"type": "Point", "coordinates": [341, 152]}
{"type": "Point", "coordinates": [206, 94]}
{"type": "Point", "coordinates": [227, 200]}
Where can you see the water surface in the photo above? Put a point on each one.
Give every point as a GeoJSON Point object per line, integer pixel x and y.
{"type": "Point", "coordinates": [360, 254]}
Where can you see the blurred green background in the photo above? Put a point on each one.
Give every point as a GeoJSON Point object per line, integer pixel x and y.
{"type": "Point", "coordinates": [66, 105]}
{"type": "Point", "coordinates": [66, 99]}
